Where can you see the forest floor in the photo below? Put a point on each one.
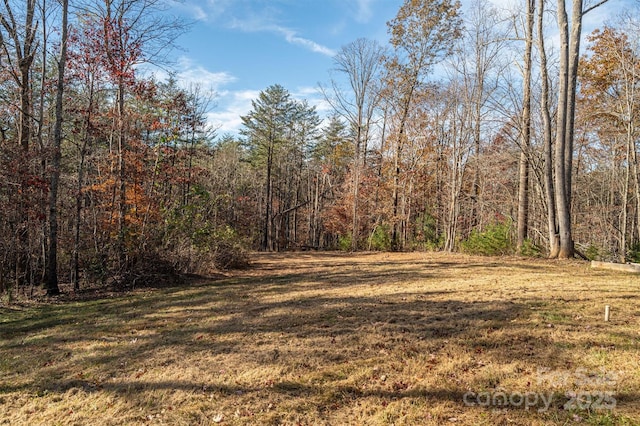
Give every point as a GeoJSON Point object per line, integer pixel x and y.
{"type": "Point", "coordinates": [335, 339]}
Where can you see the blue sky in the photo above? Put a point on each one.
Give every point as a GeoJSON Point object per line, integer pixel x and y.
{"type": "Point", "coordinates": [239, 47]}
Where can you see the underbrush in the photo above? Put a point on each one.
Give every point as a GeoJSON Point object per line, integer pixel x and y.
{"type": "Point", "coordinates": [494, 240]}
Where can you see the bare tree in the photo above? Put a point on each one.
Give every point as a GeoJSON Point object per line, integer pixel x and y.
{"type": "Point", "coordinates": [52, 261]}
{"type": "Point", "coordinates": [359, 62]}
{"type": "Point", "coordinates": [478, 64]}
{"type": "Point", "coordinates": [525, 145]}
{"type": "Point", "coordinates": [609, 96]}
{"type": "Point", "coordinates": [19, 46]}
{"type": "Point", "coordinates": [422, 34]}
{"type": "Point", "coordinates": [570, 33]}
{"type": "Point", "coordinates": [545, 109]}
{"type": "Point", "coordinates": [20, 49]}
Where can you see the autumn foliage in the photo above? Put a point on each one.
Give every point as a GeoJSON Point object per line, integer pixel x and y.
{"type": "Point", "coordinates": [148, 191]}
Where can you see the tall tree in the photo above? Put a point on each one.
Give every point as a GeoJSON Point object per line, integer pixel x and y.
{"type": "Point", "coordinates": [21, 38]}
{"type": "Point", "coordinates": [478, 63]}
{"type": "Point", "coordinates": [331, 155]}
{"type": "Point", "coordinates": [52, 261]}
{"type": "Point", "coordinates": [570, 34]}
{"type": "Point", "coordinates": [525, 131]}
{"type": "Point", "coordinates": [302, 135]}
{"type": "Point", "coordinates": [19, 45]}
{"type": "Point", "coordinates": [359, 62]}
{"type": "Point", "coordinates": [131, 32]}
{"type": "Point", "coordinates": [422, 34]}
{"type": "Point", "coordinates": [86, 82]}
{"type": "Point", "coordinates": [609, 94]}
{"type": "Point", "coordinates": [545, 110]}
{"type": "Point", "coordinates": [265, 128]}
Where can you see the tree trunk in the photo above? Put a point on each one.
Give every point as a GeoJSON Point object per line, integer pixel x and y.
{"type": "Point", "coordinates": [395, 244]}
{"type": "Point", "coordinates": [356, 185]}
{"type": "Point", "coordinates": [122, 189]}
{"type": "Point", "coordinates": [354, 212]}
{"type": "Point", "coordinates": [523, 187]}
{"type": "Point", "coordinates": [455, 187]}
{"type": "Point", "coordinates": [477, 135]}
{"type": "Point", "coordinates": [554, 243]}
{"type": "Point", "coordinates": [266, 238]}
{"type": "Point", "coordinates": [24, 59]}
{"type": "Point", "coordinates": [636, 175]}
{"type": "Point", "coordinates": [52, 273]}
{"type": "Point", "coordinates": [625, 203]}
{"type": "Point", "coordinates": [564, 143]}
{"type": "Point", "coordinates": [79, 196]}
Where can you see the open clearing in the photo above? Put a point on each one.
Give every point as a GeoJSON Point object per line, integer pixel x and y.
{"type": "Point", "coordinates": [330, 338]}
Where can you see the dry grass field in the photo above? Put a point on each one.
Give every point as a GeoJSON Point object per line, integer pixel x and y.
{"type": "Point", "coordinates": [336, 339]}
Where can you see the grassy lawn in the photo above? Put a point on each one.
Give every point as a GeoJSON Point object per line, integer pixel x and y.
{"type": "Point", "coordinates": [328, 338]}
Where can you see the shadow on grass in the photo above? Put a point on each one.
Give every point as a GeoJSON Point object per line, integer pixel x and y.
{"type": "Point", "coordinates": [288, 388]}
{"type": "Point", "coordinates": [363, 323]}
{"type": "Point", "coordinates": [282, 321]}
{"type": "Point", "coordinates": [322, 396]}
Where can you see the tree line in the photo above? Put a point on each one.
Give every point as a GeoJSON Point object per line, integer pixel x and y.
{"type": "Point", "coordinates": [468, 130]}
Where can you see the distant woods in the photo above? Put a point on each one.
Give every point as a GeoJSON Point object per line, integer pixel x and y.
{"type": "Point", "coordinates": [469, 130]}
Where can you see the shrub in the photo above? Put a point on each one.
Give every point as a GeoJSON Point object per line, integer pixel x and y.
{"type": "Point", "coordinates": [529, 249]}
{"type": "Point", "coordinates": [495, 240]}
{"type": "Point", "coordinates": [633, 255]}
{"type": "Point", "coordinates": [229, 250]}
{"type": "Point", "coordinates": [380, 239]}
{"type": "Point", "coordinates": [435, 245]}
{"type": "Point", "coordinates": [344, 242]}
{"type": "Point", "coordinates": [592, 252]}
{"type": "Point", "coordinates": [425, 234]}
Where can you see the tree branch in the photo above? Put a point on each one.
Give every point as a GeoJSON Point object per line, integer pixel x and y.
{"type": "Point", "coordinates": [595, 6]}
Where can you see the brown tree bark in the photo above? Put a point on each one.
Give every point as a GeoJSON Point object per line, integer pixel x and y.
{"type": "Point", "coordinates": [23, 38]}
{"type": "Point", "coordinates": [52, 261]}
{"type": "Point", "coordinates": [570, 34]}
{"type": "Point", "coordinates": [525, 144]}
{"type": "Point", "coordinates": [549, 191]}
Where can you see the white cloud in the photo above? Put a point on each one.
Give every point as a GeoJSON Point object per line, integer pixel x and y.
{"type": "Point", "coordinates": [290, 36]}
{"type": "Point", "coordinates": [198, 13]}
{"type": "Point", "coordinates": [217, 8]}
{"type": "Point", "coordinates": [308, 91]}
{"type": "Point", "coordinates": [189, 74]}
{"type": "Point", "coordinates": [207, 79]}
{"type": "Point", "coordinates": [364, 12]}
{"type": "Point", "coordinates": [313, 95]}
{"type": "Point", "coordinates": [236, 104]}
{"type": "Point", "coordinates": [293, 38]}
{"type": "Point", "coordinates": [195, 11]}
{"type": "Point", "coordinates": [194, 74]}
{"type": "Point", "coordinates": [199, 76]}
